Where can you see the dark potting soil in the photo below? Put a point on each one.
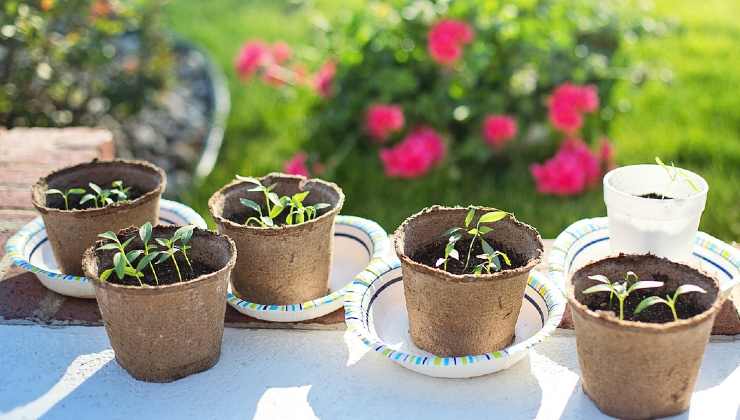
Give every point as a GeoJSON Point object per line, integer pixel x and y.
{"type": "Point", "coordinates": [656, 196]}
{"type": "Point", "coordinates": [166, 273]}
{"type": "Point", "coordinates": [55, 201]}
{"type": "Point", "coordinates": [430, 253]}
{"type": "Point", "coordinates": [657, 314]}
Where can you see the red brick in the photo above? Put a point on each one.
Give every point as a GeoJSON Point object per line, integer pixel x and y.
{"type": "Point", "coordinates": [15, 198]}
{"type": "Point", "coordinates": [79, 311]}
{"type": "Point", "coordinates": [236, 319]}
{"type": "Point", "coordinates": [20, 296]}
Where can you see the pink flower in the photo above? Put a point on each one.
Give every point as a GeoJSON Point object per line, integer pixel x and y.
{"type": "Point", "coordinates": [281, 52]}
{"type": "Point", "coordinates": [568, 103]}
{"type": "Point", "coordinates": [415, 155]}
{"type": "Point", "coordinates": [252, 56]}
{"type": "Point", "coordinates": [499, 129]}
{"type": "Point", "coordinates": [296, 165]}
{"type": "Point", "coordinates": [275, 75]}
{"type": "Point", "coordinates": [446, 39]}
{"type": "Point", "coordinates": [383, 120]}
{"type": "Point", "coordinates": [573, 168]}
{"type": "Point", "coordinates": [323, 79]}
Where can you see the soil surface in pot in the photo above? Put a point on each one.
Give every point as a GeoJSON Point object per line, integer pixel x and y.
{"type": "Point", "coordinates": [656, 196]}
{"type": "Point", "coordinates": [686, 307]}
{"type": "Point", "coordinates": [55, 201]}
{"type": "Point", "coordinates": [430, 253]}
{"type": "Point", "coordinates": [166, 273]}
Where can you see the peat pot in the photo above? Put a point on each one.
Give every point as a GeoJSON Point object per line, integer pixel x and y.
{"type": "Point", "coordinates": [72, 231]}
{"type": "Point", "coordinates": [163, 333]}
{"type": "Point", "coordinates": [464, 314]}
{"type": "Point", "coordinates": [640, 369]}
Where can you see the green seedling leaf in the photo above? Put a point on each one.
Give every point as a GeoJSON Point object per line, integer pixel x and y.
{"type": "Point", "coordinates": [133, 255]}
{"type": "Point", "coordinates": [496, 262]}
{"type": "Point", "coordinates": [76, 191]}
{"type": "Point", "coordinates": [267, 221]}
{"type": "Point", "coordinates": [484, 230]}
{"type": "Point", "coordinates": [299, 197]}
{"type": "Point", "coordinates": [131, 272]}
{"type": "Point", "coordinates": [321, 206]}
{"type": "Point", "coordinates": [688, 288]}
{"type": "Point", "coordinates": [450, 231]}
{"type": "Point", "coordinates": [492, 216]}
{"type": "Point", "coordinates": [454, 254]}
{"type": "Point", "coordinates": [473, 231]}
{"type": "Point", "coordinates": [94, 187]}
{"type": "Point", "coordinates": [439, 262]}
{"type": "Point", "coordinates": [276, 210]}
{"type": "Point", "coordinates": [469, 216]}
{"type": "Point", "coordinates": [505, 257]}
{"type": "Point", "coordinates": [597, 288]}
{"type": "Point", "coordinates": [106, 274]}
{"type": "Point", "coordinates": [86, 198]}
{"type": "Point", "coordinates": [162, 242]}
{"type": "Point", "coordinates": [54, 191]}
{"type": "Point", "coordinates": [274, 198]}
{"type": "Point", "coordinates": [145, 232]}
{"type": "Point", "coordinates": [645, 285]}
{"type": "Point", "coordinates": [117, 184]}
{"type": "Point", "coordinates": [600, 278]}
{"type": "Point", "coordinates": [184, 233]}
{"type": "Point", "coordinates": [146, 260]}
{"type": "Point", "coordinates": [128, 241]}
{"type": "Point", "coordinates": [648, 302]}
{"type": "Point", "coordinates": [487, 248]}
{"type": "Point", "coordinates": [163, 257]}
{"type": "Point", "coordinates": [251, 204]}
{"type": "Point", "coordinates": [119, 264]}
{"type": "Point", "coordinates": [454, 238]}
{"type": "Point", "coordinates": [108, 247]}
{"type": "Point", "coordinates": [109, 235]}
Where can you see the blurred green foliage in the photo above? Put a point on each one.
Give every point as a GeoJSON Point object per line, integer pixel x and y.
{"type": "Point", "coordinates": [73, 62]}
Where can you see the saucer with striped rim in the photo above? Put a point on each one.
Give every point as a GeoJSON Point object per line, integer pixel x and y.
{"type": "Point", "coordinates": [587, 240]}
{"type": "Point", "coordinates": [358, 243]}
{"type": "Point", "coordinates": [375, 312]}
{"type": "Point", "coordinates": [30, 250]}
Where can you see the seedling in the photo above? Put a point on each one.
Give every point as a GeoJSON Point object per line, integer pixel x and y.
{"type": "Point", "coordinates": [170, 251]}
{"type": "Point", "coordinates": [66, 194]}
{"type": "Point", "coordinates": [620, 290]}
{"type": "Point", "coordinates": [184, 234]}
{"type": "Point", "coordinates": [275, 205]}
{"type": "Point", "coordinates": [122, 260]}
{"type": "Point", "coordinates": [150, 250]}
{"type": "Point", "coordinates": [491, 261]}
{"type": "Point", "coordinates": [674, 173]}
{"type": "Point", "coordinates": [669, 300]}
{"type": "Point", "coordinates": [119, 190]}
{"type": "Point", "coordinates": [477, 232]}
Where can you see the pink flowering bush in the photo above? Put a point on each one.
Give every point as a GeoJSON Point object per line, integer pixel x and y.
{"type": "Point", "coordinates": [415, 155]}
{"type": "Point", "coordinates": [383, 120]}
{"type": "Point", "coordinates": [296, 165]}
{"type": "Point", "coordinates": [423, 85]}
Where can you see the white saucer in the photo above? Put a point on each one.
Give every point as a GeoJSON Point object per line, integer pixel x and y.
{"type": "Point", "coordinates": [375, 311]}
{"type": "Point", "coordinates": [587, 240]}
{"type": "Point", "coordinates": [30, 250]}
{"type": "Point", "coordinates": [358, 242]}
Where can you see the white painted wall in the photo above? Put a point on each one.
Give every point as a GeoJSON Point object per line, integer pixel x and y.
{"type": "Point", "coordinates": [266, 374]}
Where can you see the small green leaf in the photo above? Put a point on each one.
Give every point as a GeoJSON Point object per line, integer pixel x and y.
{"type": "Point", "coordinates": [455, 255]}
{"type": "Point", "coordinates": [54, 191]}
{"type": "Point", "coordinates": [108, 247]}
{"type": "Point", "coordinates": [267, 221]}
{"type": "Point", "coordinates": [184, 233]}
{"type": "Point", "coordinates": [478, 270]}
{"type": "Point", "coordinates": [456, 237]}
{"type": "Point", "coordinates": [119, 264]}
{"type": "Point", "coordinates": [86, 198]}
{"type": "Point", "coordinates": [496, 262]}
{"type": "Point", "coordinates": [145, 232]}
{"type": "Point", "coordinates": [648, 302]}
{"type": "Point", "coordinates": [162, 242]}
{"type": "Point", "coordinates": [94, 187]}
{"type": "Point", "coordinates": [450, 231]}
{"type": "Point", "coordinates": [631, 277]}
{"type": "Point", "coordinates": [117, 184]}
{"type": "Point", "coordinates": [645, 285]}
{"type": "Point", "coordinates": [251, 204]}
{"type": "Point", "coordinates": [274, 198]}
{"type": "Point", "coordinates": [473, 231]}
{"type": "Point", "coordinates": [76, 191]}
{"type": "Point", "coordinates": [109, 235]}
{"type": "Point", "coordinates": [128, 241]}
{"type": "Point", "coordinates": [439, 262]}
{"type": "Point", "coordinates": [505, 257]}
{"type": "Point", "coordinates": [688, 288]}
{"type": "Point", "coordinates": [162, 257]}
{"type": "Point", "coordinates": [597, 288]}
{"type": "Point", "coordinates": [600, 278]}
{"type": "Point", "coordinates": [469, 217]}
{"type": "Point", "coordinates": [659, 161]}
{"type": "Point", "coordinates": [105, 274]}
{"type": "Point", "coordinates": [484, 230]}
{"type": "Point", "coordinates": [276, 210]}
{"type": "Point", "coordinates": [321, 206]}
{"type": "Point", "coordinates": [487, 248]}
{"type": "Point", "coordinates": [299, 197]}
{"type": "Point", "coordinates": [133, 255]}
{"type": "Point", "coordinates": [131, 272]}
{"type": "Point", "coordinates": [145, 260]}
{"type": "Point", "coordinates": [493, 216]}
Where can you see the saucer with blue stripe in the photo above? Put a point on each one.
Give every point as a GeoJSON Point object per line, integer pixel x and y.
{"type": "Point", "coordinates": [30, 250]}
{"type": "Point", "coordinates": [587, 240]}
{"type": "Point", "coordinates": [358, 243]}
{"type": "Point", "coordinates": [375, 312]}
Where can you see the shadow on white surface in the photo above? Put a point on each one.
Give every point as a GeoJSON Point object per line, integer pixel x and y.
{"type": "Point", "coordinates": [69, 373]}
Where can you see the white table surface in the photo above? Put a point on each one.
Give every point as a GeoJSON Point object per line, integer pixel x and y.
{"type": "Point", "coordinates": [69, 372]}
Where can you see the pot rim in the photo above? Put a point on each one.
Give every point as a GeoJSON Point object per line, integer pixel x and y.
{"type": "Point", "coordinates": [609, 320]}
{"type": "Point", "coordinates": [89, 260]}
{"type": "Point", "coordinates": [466, 278]}
{"type": "Point", "coordinates": [608, 186]}
{"type": "Point", "coordinates": [39, 188]}
{"type": "Point", "coordinates": [275, 230]}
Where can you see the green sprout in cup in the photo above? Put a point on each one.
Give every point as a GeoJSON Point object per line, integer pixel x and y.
{"type": "Point", "coordinates": [490, 256]}
{"type": "Point", "coordinates": [275, 205]}
{"type": "Point", "coordinates": [66, 194]}
{"type": "Point", "coordinates": [674, 173]}
{"type": "Point", "coordinates": [669, 300]}
{"type": "Point", "coordinates": [620, 290]}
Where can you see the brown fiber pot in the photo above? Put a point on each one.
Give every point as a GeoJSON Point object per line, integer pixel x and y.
{"type": "Point", "coordinates": [639, 369]}
{"type": "Point", "coordinates": [71, 232]}
{"type": "Point", "coordinates": [163, 333]}
{"type": "Point", "coordinates": [455, 315]}
{"type": "Point", "coordinates": [286, 264]}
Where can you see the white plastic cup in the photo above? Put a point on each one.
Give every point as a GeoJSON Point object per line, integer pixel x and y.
{"type": "Point", "coordinates": [663, 227]}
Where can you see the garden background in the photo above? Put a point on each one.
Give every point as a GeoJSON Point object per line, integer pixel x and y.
{"type": "Point", "coordinates": [693, 119]}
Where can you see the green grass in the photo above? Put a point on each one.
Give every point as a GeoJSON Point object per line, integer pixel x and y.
{"type": "Point", "coordinates": [694, 120]}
